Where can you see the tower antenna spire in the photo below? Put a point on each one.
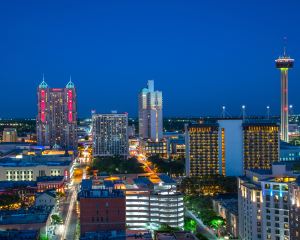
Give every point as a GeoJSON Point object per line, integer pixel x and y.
{"type": "Point", "coordinates": [284, 46]}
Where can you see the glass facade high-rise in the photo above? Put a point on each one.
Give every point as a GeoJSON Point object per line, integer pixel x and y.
{"type": "Point", "coordinates": [150, 113]}
{"type": "Point", "coordinates": [57, 116]}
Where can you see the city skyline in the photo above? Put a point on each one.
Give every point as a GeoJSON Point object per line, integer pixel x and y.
{"type": "Point", "coordinates": [191, 48]}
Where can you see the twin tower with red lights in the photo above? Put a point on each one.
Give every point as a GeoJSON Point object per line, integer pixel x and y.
{"type": "Point", "coordinates": [57, 116]}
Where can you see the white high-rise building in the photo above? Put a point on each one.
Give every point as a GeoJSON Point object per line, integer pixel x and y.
{"type": "Point", "coordinates": [110, 136]}
{"type": "Point", "coordinates": [150, 113]}
{"type": "Point", "coordinates": [263, 203]}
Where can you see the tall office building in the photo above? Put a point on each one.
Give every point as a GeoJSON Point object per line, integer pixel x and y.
{"type": "Point", "coordinates": [110, 135]}
{"type": "Point", "coordinates": [230, 146]}
{"type": "Point", "coordinates": [9, 135]}
{"type": "Point", "coordinates": [57, 116]}
{"type": "Point", "coordinates": [284, 63]}
{"type": "Point", "coordinates": [150, 113]}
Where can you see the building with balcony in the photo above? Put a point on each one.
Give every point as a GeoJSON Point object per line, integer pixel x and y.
{"type": "Point", "coordinates": [110, 136]}
{"type": "Point", "coordinates": [263, 202]}
{"type": "Point", "coordinates": [295, 209]}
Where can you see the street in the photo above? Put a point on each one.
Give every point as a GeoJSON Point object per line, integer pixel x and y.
{"type": "Point", "coordinates": [201, 227]}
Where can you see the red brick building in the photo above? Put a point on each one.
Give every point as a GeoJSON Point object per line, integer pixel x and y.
{"type": "Point", "coordinates": [102, 210]}
{"type": "Point", "coordinates": [46, 183]}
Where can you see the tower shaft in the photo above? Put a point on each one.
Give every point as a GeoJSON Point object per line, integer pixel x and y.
{"type": "Point", "coordinates": [284, 105]}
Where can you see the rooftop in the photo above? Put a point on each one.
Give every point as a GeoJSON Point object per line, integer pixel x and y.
{"type": "Point", "coordinates": [262, 171]}
{"type": "Point", "coordinates": [50, 193]}
{"type": "Point", "coordinates": [19, 234]}
{"type": "Point", "coordinates": [31, 162]}
{"type": "Point", "coordinates": [17, 184]}
{"type": "Point", "coordinates": [101, 193]}
{"type": "Point", "coordinates": [166, 179]}
{"type": "Point", "coordinates": [143, 182]}
{"type": "Point", "coordinates": [30, 216]}
{"type": "Point", "coordinates": [50, 179]}
{"type": "Point", "coordinates": [288, 146]}
{"type": "Point", "coordinates": [230, 204]}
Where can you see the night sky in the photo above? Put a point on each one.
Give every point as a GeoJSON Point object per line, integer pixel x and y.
{"type": "Point", "coordinates": [201, 54]}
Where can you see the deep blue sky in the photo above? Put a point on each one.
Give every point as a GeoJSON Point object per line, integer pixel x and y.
{"type": "Point", "coordinates": [201, 54]}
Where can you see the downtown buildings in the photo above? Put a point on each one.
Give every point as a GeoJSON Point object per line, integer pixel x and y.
{"type": "Point", "coordinates": [268, 203]}
{"type": "Point", "coordinates": [141, 202]}
{"type": "Point", "coordinates": [150, 113]}
{"type": "Point", "coordinates": [110, 136]}
{"type": "Point", "coordinates": [57, 116]}
{"type": "Point", "coordinates": [230, 146]}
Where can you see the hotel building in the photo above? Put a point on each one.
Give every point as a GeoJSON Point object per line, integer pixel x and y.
{"type": "Point", "coordinates": [261, 145]}
{"type": "Point", "coordinates": [110, 136]}
{"type": "Point", "coordinates": [230, 146]}
{"type": "Point", "coordinates": [57, 116]}
{"type": "Point", "coordinates": [202, 156]}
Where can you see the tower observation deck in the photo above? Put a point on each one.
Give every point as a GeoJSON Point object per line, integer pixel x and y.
{"type": "Point", "coordinates": [284, 63]}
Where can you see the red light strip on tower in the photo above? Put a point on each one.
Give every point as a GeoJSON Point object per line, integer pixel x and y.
{"type": "Point", "coordinates": [70, 105]}
{"type": "Point", "coordinates": [43, 105]}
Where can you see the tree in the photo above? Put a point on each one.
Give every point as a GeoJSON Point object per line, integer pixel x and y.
{"type": "Point", "coordinates": [117, 165]}
{"type": "Point", "coordinates": [167, 228]}
{"type": "Point", "coordinates": [170, 166]}
{"type": "Point", "coordinates": [56, 219]}
{"type": "Point", "coordinates": [190, 224]}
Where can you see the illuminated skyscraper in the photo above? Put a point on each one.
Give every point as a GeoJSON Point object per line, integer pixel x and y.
{"type": "Point", "coordinates": [150, 113]}
{"type": "Point", "coordinates": [284, 63]}
{"type": "Point", "coordinates": [57, 116]}
{"type": "Point", "coordinates": [230, 146]}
